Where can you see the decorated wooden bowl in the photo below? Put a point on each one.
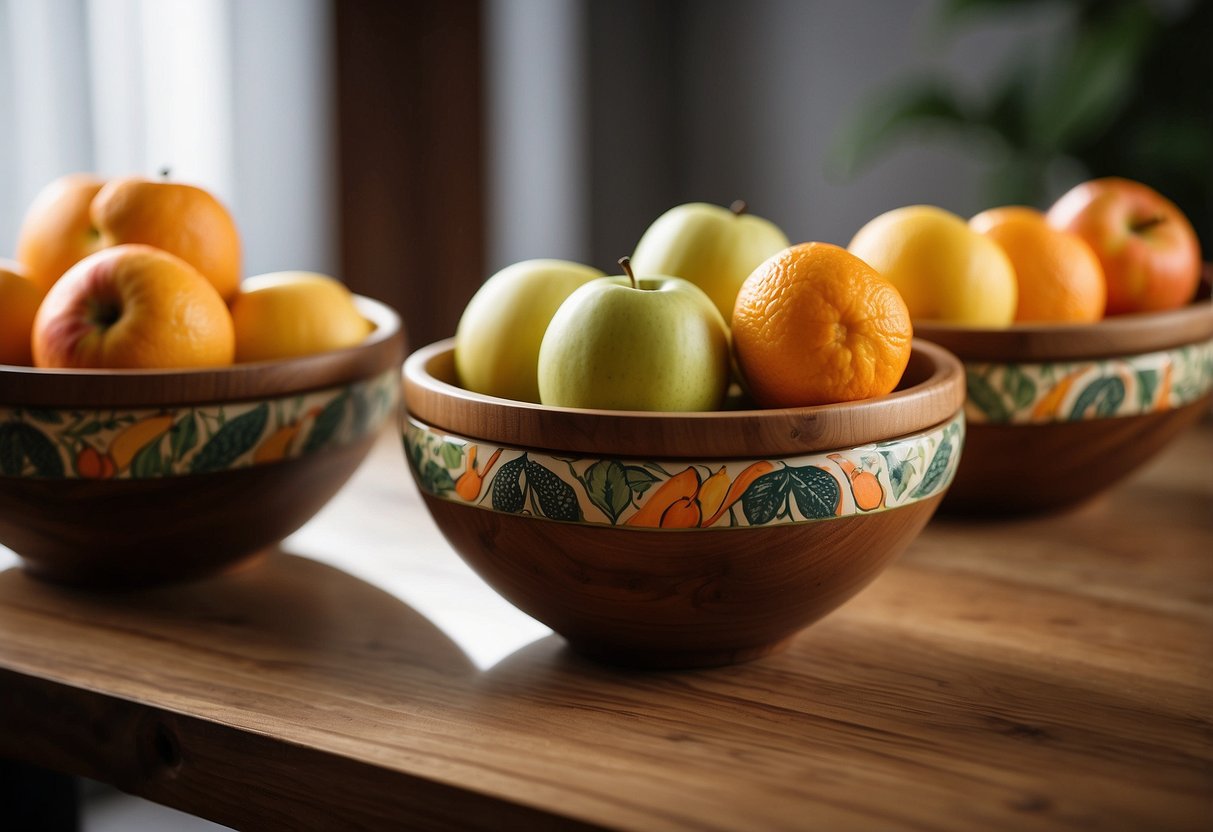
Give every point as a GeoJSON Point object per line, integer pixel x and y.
{"type": "Point", "coordinates": [681, 539]}
{"type": "Point", "coordinates": [147, 476]}
{"type": "Point", "coordinates": [1057, 414]}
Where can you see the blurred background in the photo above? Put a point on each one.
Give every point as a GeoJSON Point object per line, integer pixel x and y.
{"type": "Point", "coordinates": [412, 148]}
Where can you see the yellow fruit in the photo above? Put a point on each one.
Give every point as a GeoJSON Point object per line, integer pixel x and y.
{"type": "Point", "coordinates": [943, 269]}
{"type": "Point", "coordinates": [136, 437]}
{"type": "Point", "coordinates": [287, 314]}
{"type": "Point", "coordinates": [19, 299]}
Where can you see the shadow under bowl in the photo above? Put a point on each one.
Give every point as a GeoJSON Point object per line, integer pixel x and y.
{"type": "Point", "coordinates": [681, 539]}
{"type": "Point", "coordinates": [1058, 414]}
{"type": "Point", "coordinates": [125, 478]}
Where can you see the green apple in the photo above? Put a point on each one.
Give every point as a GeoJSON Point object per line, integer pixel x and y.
{"type": "Point", "coordinates": [628, 343]}
{"type": "Point", "coordinates": [497, 340]}
{"type": "Point", "coordinates": [715, 248]}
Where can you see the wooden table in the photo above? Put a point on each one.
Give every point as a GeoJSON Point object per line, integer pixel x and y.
{"type": "Point", "coordinates": [1045, 674]}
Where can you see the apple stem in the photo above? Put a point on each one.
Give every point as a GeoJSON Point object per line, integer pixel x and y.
{"type": "Point", "coordinates": [739, 207]}
{"type": "Point", "coordinates": [625, 263]}
{"type": "Point", "coordinates": [165, 172]}
{"type": "Point", "coordinates": [1146, 224]}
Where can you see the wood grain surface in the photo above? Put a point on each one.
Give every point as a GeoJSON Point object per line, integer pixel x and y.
{"type": "Point", "coordinates": [931, 391]}
{"type": "Point", "coordinates": [1044, 674]}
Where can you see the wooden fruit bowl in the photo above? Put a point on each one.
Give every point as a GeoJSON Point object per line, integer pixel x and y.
{"type": "Point", "coordinates": [681, 539]}
{"type": "Point", "coordinates": [135, 477]}
{"type": "Point", "coordinates": [1057, 414]}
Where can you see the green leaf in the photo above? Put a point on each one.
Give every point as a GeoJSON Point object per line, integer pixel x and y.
{"type": "Point", "coordinates": [985, 397]}
{"type": "Point", "coordinates": [557, 499]}
{"type": "Point", "coordinates": [1147, 386]}
{"type": "Point", "coordinates": [452, 455]}
{"type": "Point", "coordinates": [435, 478]}
{"type": "Point", "coordinates": [233, 439]}
{"type": "Point", "coordinates": [1102, 396]}
{"type": "Point", "coordinates": [148, 462]}
{"type": "Point", "coordinates": [1019, 386]}
{"type": "Point", "coordinates": [326, 424]}
{"type": "Point", "coordinates": [933, 478]}
{"type": "Point", "coordinates": [507, 493]}
{"type": "Point", "coordinates": [766, 496]}
{"type": "Point", "coordinates": [183, 435]}
{"type": "Point", "coordinates": [87, 429]}
{"type": "Point", "coordinates": [607, 486]}
{"type": "Point", "coordinates": [639, 479]}
{"type": "Point", "coordinates": [20, 442]}
{"type": "Point", "coordinates": [12, 454]}
{"type": "Point", "coordinates": [900, 472]}
{"type": "Point", "coordinates": [817, 494]}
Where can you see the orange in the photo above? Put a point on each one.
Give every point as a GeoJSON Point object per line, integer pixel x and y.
{"type": "Point", "coordinates": [1059, 276]}
{"type": "Point", "coordinates": [285, 314]}
{"type": "Point", "coordinates": [19, 299]}
{"type": "Point", "coordinates": [816, 325]}
{"type": "Point", "coordinates": [130, 307]}
{"type": "Point", "coordinates": [57, 232]}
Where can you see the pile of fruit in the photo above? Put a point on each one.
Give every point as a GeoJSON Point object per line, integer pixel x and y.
{"type": "Point", "coordinates": [707, 289]}
{"type": "Point", "coordinates": [134, 273]}
{"type": "Point", "coordinates": [1107, 247]}
{"type": "Point", "coordinates": [714, 295]}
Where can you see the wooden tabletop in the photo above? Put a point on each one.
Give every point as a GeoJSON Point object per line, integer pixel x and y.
{"type": "Point", "coordinates": [1037, 674]}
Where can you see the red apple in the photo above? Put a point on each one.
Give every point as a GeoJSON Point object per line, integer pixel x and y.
{"type": "Point", "coordinates": [132, 306]}
{"type": "Point", "coordinates": [1148, 249]}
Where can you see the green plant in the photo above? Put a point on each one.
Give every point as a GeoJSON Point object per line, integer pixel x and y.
{"type": "Point", "coordinates": [1124, 90]}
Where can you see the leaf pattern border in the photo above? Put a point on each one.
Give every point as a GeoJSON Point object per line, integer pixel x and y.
{"type": "Point", "coordinates": [684, 494]}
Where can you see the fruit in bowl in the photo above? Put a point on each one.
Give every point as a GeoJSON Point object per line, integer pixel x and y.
{"type": "Point", "coordinates": [1108, 355]}
{"type": "Point", "coordinates": [127, 477]}
{"type": "Point", "coordinates": [681, 539]}
{"type": "Point", "coordinates": [651, 520]}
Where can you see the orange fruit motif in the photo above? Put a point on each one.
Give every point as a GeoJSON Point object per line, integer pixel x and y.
{"type": "Point", "coordinates": [816, 325]}
{"type": "Point", "coordinates": [1059, 276]}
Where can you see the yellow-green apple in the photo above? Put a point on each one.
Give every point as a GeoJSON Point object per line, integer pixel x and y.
{"type": "Point", "coordinates": [19, 299]}
{"type": "Point", "coordinates": [713, 247]}
{"type": "Point", "coordinates": [132, 307]}
{"type": "Point", "coordinates": [629, 343]}
{"type": "Point", "coordinates": [77, 215]}
{"type": "Point", "coordinates": [498, 336]}
{"type": "Point", "coordinates": [57, 231]}
{"type": "Point", "coordinates": [944, 270]}
{"type": "Point", "coordinates": [284, 314]}
{"type": "Point", "coordinates": [1148, 249]}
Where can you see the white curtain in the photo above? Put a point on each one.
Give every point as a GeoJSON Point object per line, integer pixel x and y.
{"type": "Point", "coordinates": [233, 96]}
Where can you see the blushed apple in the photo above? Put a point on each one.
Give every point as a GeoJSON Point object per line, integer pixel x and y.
{"type": "Point", "coordinates": [497, 340]}
{"type": "Point", "coordinates": [713, 247]}
{"type": "Point", "coordinates": [635, 343]}
{"type": "Point", "coordinates": [132, 307]}
{"type": "Point", "coordinates": [1149, 252]}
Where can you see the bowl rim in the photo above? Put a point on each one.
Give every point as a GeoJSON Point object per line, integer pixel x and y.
{"type": "Point", "coordinates": [382, 350]}
{"type": "Point", "coordinates": [935, 397]}
{"type": "Point", "coordinates": [1121, 335]}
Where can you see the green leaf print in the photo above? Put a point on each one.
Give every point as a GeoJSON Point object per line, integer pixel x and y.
{"type": "Point", "coordinates": [639, 479]}
{"type": "Point", "coordinates": [817, 494]}
{"type": "Point", "coordinates": [20, 442]}
{"type": "Point", "coordinates": [1147, 386]}
{"type": "Point", "coordinates": [556, 497]}
{"type": "Point", "coordinates": [606, 484]}
{"type": "Point", "coordinates": [148, 462]}
{"type": "Point", "coordinates": [233, 439]}
{"type": "Point", "coordinates": [900, 472]}
{"type": "Point", "coordinates": [1019, 387]}
{"type": "Point", "coordinates": [452, 455]}
{"type": "Point", "coordinates": [936, 471]}
{"type": "Point", "coordinates": [507, 493]}
{"type": "Point", "coordinates": [766, 496]}
{"type": "Point", "coordinates": [986, 398]}
{"type": "Point", "coordinates": [326, 424]}
{"type": "Point", "coordinates": [1103, 396]}
{"type": "Point", "coordinates": [435, 478]}
{"type": "Point", "coordinates": [183, 436]}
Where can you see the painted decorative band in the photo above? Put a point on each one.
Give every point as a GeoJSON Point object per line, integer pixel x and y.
{"type": "Point", "coordinates": [1077, 390]}
{"type": "Point", "coordinates": [150, 443]}
{"type": "Point", "coordinates": [645, 494]}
